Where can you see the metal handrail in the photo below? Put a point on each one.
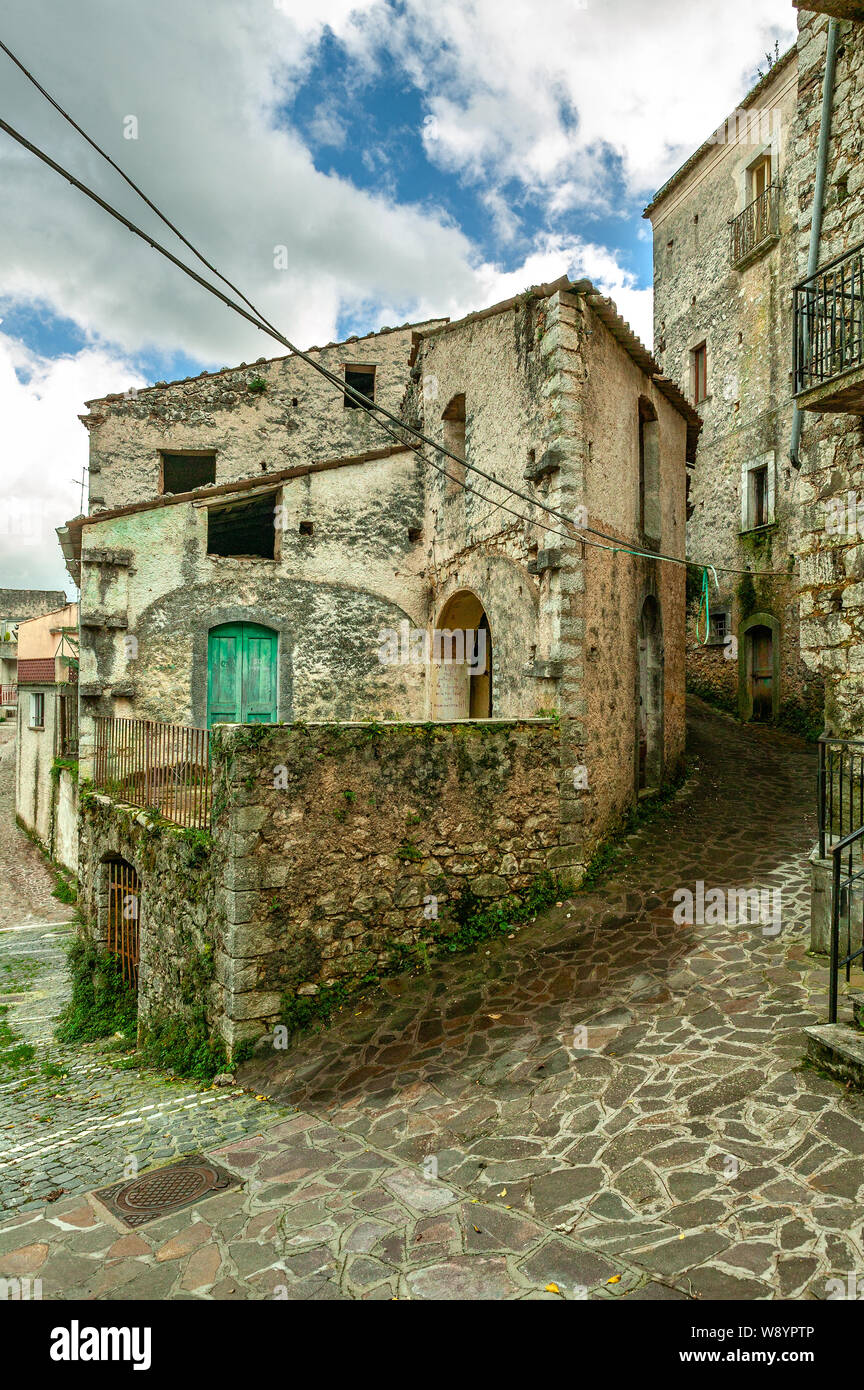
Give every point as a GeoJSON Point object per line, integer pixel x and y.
{"type": "Point", "coordinates": [828, 321]}
{"type": "Point", "coordinates": [829, 265]}
{"type": "Point", "coordinates": [761, 213]}
{"type": "Point", "coordinates": [837, 806]}
{"type": "Point", "coordinates": [837, 851]}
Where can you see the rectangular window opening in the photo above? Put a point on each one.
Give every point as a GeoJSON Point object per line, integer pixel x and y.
{"type": "Point", "coordinates": [185, 472]}
{"type": "Point", "coordinates": [361, 379]}
{"type": "Point", "coordinates": [37, 711]}
{"type": "Point", "coordinates": [759, 496]}
{"type": "Point", "coordinates": [699, 373]}
{"type": "Point", "coordinates": [719, 626]}
{"type": "Point", "coordinates": [244, 528]}
{"type": "Point", "coordinates": [306, 528]}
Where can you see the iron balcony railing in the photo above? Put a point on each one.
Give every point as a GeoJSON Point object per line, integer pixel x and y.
{"type": "Point", "coordinates": [755, 224]}
{"type": "Point", "coordinates": [829, 321]}
{"type": "Point", "coordinates": [8, 694]}
{"type": "Point", "coordinates": [840, 786]}
{"type": "Point", "coordinates": [847, 912]}
{"type": "Point", "coordinates": [164, 767]}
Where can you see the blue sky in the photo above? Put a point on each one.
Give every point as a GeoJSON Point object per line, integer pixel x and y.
{"type": "Point", "coordinates": [414, 161]}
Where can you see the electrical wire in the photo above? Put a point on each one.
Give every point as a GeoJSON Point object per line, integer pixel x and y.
{"type": "Point", "coordinates": [260, 321]}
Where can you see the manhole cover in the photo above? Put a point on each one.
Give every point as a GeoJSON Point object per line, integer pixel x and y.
{"type": "Point", "coordinates": [164, 1190]}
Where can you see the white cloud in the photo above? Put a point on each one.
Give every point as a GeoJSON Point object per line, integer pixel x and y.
{"type": "Point", "coordinates": [44, 453]}
{"type": "Point", "coordinates": [525, 96]}
{"type": "Point", "coordinates": [543, 94]}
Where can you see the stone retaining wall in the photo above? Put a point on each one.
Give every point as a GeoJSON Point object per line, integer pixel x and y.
{"type": "Point", "coordinates": [335, 848]}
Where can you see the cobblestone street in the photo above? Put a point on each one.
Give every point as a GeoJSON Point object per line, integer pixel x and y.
{"type": "Point", "coordinates": [608, 1104]}
{"type": "Point", "coordinates": [69, 1119]}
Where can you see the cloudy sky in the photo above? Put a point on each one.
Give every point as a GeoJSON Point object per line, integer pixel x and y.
{"type": "Point", "coordinates": [414, 158]}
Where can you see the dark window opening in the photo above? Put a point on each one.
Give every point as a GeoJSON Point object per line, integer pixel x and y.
{"type": "Point", "coordinates": [699, 373]}
{"type": "Point", "coordinates": [361, 379]}
{"type": "Point", "coordinates": [689, 504]}
{"type": "Point", "coordinates": [294, 400]}
{"type": "Point", "coordinates": [306, 528]}
{"type": "Point", "coordinates": [415, 533]}
{"type": "Point", "coordinates": [719, 626]}
{"type": "Point", "coordinates": [759, 497]}
{"type": "Point", "coordinates": [454, 422]}
{"type": "Point", "coordinates": [243, 528]}
{"type": "Point", "coordinates": [185, 472]}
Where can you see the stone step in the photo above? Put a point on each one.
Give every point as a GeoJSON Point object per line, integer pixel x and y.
{"type": "Point", "coordinates": [856, 998]}
{"type": "Point", "coordinates": [838, 1048]}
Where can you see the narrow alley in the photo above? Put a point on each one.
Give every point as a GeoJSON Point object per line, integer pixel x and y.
{"type": "Point", "coordinates": [605, 1104]}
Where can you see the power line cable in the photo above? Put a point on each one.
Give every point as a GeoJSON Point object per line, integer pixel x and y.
{"type": "Point", "coordinates": [375, 409]}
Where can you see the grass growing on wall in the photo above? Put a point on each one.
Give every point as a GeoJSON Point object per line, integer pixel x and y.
{"type": "Point", "coordinates": [102, 1004]}
{"type": "Point", "coordinates": [183, 1046]}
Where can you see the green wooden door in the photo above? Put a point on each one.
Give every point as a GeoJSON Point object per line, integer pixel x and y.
{"type": "Point", "coordinates": [241, 675]}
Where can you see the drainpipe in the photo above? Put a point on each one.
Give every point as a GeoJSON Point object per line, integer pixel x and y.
{"type": "Point", "coordinates": [818, 202]}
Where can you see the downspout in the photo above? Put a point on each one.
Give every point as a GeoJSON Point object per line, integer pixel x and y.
{"type": "Point", "coordinates": [818, 202]}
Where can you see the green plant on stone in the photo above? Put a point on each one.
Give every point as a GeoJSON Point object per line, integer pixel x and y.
{"type": "Point", "coordinates": [102, 1003]}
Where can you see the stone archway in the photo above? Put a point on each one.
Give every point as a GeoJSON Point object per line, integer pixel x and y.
{"type": "Point", "coordinates": [649, 724]}
{"type": "Point", "coordinates": [462, 660]}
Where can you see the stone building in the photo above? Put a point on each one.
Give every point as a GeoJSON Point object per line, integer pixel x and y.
{"type": "Point", "coordinates": [828, 339]}
{"type": "Point", "coordinates": [197, 610]}
{"type": "Point", "coordinates": [16, 605]}
{"type": "Point", "coordinates": [186, 584]}
{"type": "Point", "coordinates": [725, 261]}
{"type": "Point", "coordinates": [46, 800]}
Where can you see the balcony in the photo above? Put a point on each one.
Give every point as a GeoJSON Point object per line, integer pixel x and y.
{"type": "Point", "coordinates": [755, 229]}
{"type": "Point", "coordinates": [829, 337]}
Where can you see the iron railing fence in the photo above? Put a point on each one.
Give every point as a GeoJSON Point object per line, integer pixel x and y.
{"type": "Point", "coordinates": [165, 767]}
{"type": "Point", "coordinates": [829, 321]}
{"type": "Point", "coordinates": [840, 789]}
{"type": "Point", "coordinates": [8, 694]}
{"type": "Point", "coordinates": [847, 912]}
{"type": "Point", "coordinates": [758, 222]}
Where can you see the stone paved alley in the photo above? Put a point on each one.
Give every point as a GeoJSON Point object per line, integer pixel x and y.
{"type": "Point", "coordinates": [607, 1103]}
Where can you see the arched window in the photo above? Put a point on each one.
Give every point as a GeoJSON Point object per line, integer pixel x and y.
{"type": "Point", "coordinates": [649, 471]}
{"type": "Point", "coordinates": [462, 647]}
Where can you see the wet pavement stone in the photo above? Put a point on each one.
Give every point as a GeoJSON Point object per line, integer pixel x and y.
{"type": "Point", "coordinates": [609, 1105]}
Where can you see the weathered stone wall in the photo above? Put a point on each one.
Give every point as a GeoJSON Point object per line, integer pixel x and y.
{"type": "Point", "coordinates": [744, 315]}
{"type": "Point", "coordinates": [45, 801]}
{"type": "Point", "coordinates": [832, 452]}
{"type": "Point", "coordinates": [180, 911]}
{"type": "Point", "coordinates": [506, 366]}
{"type": "Point", "coordinates": [299, 418]}
{"type": "Point", "coordinates": [16, 605]}
{"type": "Point", "coordinates": [333, 867]}
{"type": "Point", "coordinates": [334, 846]}
{"type": "Point", "coordinates": [616, 585]}
{"type": "Point", "coordinates": [150, 594]}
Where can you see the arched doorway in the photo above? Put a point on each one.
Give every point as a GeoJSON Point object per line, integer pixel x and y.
{"type": "Point", "coordinates": [242, 679]}
{"type": "Point", "coordinates": [124, 917]}
{"type": "Point", "coordinates": [759, 668]}
{"type": "Point", "coordinates": [649, 757]}
{"type": "Point", "coordinates": [761, 672]}
{"type": "Point", "coordinates": [462, 660]}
